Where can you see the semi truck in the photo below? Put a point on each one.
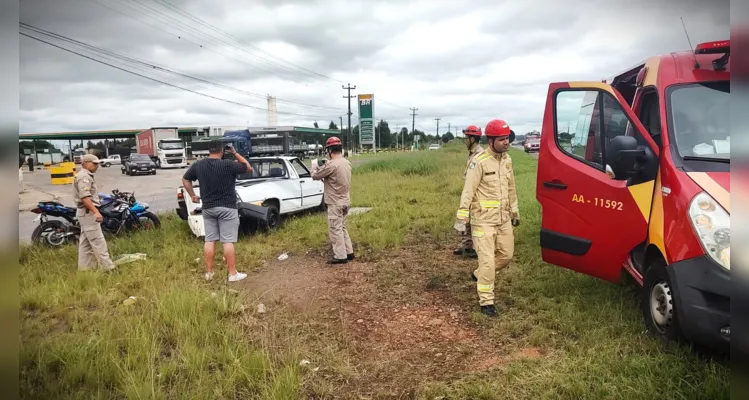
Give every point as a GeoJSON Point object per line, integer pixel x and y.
{"type": "Point", "coordinates": [78, 155]}
{"type": "Point", "coordinates": [164, 146]}
{"type": "Point", "coordinates": [254, 144]}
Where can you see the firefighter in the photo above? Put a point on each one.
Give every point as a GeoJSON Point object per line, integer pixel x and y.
{"type": "Point", "coordinates": [336, 177]}
{"type": "Point", "coordinates": [489, 199]}
{"type": "Point", "coordinates": [472, 138]}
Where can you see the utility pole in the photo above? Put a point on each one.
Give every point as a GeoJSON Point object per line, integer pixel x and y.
{"type": "Point", "coordinates": [448, 127]}
{"type": "Point", "coordinates": [438, 127]}
{"type": "Point", "coordinates": [413, 122]}
{"type": "Point", "coordinates": [349, 97]}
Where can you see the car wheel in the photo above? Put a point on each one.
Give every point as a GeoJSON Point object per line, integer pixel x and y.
{"type": "Point", "coordinates": [158, 163]}
{"type": "Point", "coordinates": [658, 303]}
{"type": "Point", "coordinates": [153, 173]}
{"type": "Point", "coordinates": [107, 164]}
{"type": "Point", "coordinates": [274, 216]}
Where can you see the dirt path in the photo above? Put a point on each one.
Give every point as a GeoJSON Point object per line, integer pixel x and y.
{"type": "Point", "coordinates": [399, 323]}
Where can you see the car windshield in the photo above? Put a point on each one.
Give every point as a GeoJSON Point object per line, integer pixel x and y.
{"type": "Point", "coordinates": [139, 157]}
{"type": "Point", "coordinates": [699, 119]}
{"type": "Point", "coordinates": [265, 169]}
{"type": "Point", "coordinates": [171, 145]}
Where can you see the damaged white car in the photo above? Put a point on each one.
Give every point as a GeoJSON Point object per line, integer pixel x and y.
{"type": "Point", "coordinates": [277, 186]}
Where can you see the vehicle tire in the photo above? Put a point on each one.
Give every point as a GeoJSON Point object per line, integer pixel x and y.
{"type": "Point", "coordinates": [658, 303]}
{"type": "Point", "coordinates": [152, 222]}
{"type": "Point", "coordinates": [153, 173]}
{"type": "Point", "coordinates": [107, 164]}
{"type": "Point", "coordinates": [158, 163]}
{"type": "Point", "coordinates": [123, 171]}
{"type": "Point", "coordinates": [41, 233]}
{"type": "Point", "coordinates": [274, 216]}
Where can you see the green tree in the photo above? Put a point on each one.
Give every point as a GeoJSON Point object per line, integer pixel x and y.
{"type": "Point", "coordinates": [382, 131]}
{"type": "Point", "coordinates": [447, 137]}
{"type": "Point", "coordinates": [332, 125]}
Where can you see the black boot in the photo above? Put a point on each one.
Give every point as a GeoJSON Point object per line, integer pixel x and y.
{"type": "Point", "coordinates": [489, 310]}
{"type": "Point", "coordinates": [350, 257]}
{"type": "Point", "coordinates": [473, 276]}
{"type": "Point", "coordinates": [338, 261]}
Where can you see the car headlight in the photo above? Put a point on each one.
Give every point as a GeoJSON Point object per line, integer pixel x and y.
{"type": "Point", "coordinates": [712, 224]}
{"type": "Point", "coordinates": [257, 203]}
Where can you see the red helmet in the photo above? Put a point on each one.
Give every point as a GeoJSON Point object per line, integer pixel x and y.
{"type": "Point", "coordinates": [497, 128]}
{"type": "Point", "coordinates": [472, 130]}
{"type": "Point", "coordinates": [333, 141]}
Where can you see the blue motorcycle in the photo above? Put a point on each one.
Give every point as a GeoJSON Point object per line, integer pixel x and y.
{"type": "Point", "coordinates": [121, 212]}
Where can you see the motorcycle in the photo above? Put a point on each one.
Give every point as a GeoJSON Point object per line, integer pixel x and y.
{"type": "Point", "coordinates": [120, 211]}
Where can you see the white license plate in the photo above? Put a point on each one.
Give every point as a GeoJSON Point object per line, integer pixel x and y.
{"type": "Point", "coordinates": [38, 218]}
{"type": "Point", "coordinates": [144, 169]}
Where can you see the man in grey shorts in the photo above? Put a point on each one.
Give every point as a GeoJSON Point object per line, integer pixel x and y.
{"type": "Point", "coordinates": [217, 178]}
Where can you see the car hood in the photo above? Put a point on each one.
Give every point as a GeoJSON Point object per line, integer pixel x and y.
{"type": "Point", "coordinates": [716, 184]}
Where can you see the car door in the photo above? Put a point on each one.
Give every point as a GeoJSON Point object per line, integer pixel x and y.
{"type": "Point", "coordinates": [590, 222]}
{"type": "Point", "coordinates": [284, 183]}
{"type": "Point", "coordinates": [312, 191]}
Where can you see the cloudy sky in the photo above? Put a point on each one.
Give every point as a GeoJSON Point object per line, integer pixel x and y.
{"type": "Point", "coordinates": [463, 63]}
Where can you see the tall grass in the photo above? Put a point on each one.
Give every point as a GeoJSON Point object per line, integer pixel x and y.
{"type": "Point", "coordinates": [186, 338]}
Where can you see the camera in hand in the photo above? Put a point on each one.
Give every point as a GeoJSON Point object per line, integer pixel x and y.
{"type": "Point", "coordinates": [227, 153]}
{"type": "Point", "coordinates": [321, 162]}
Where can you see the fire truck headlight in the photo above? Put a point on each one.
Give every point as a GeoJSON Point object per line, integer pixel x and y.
{"type": "Point", "coordinates": [712, 224]}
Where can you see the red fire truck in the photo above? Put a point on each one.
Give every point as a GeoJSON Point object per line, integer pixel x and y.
{"type": "Point", "coordinates": [634, 178]}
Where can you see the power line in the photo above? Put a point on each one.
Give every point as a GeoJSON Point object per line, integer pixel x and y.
{"type": "Point", "coordinates": [170, 22]}
{"type": "Point", "coordinates": [166, 83]}
{"type": "Point", "coordinates": [170, 5]}
{"type": "Point", "coordinates": [150, 66]}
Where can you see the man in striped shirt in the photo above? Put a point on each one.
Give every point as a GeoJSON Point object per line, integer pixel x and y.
{"type": "Point", "coordinates": [217, 178]}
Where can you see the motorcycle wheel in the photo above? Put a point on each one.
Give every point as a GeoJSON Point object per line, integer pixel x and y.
{"type": "Point", "coordinates": [147, 221]}
{"type": "Point", "coordinates": [42, 233]}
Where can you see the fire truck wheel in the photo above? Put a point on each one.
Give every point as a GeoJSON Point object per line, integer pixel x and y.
{"type": "Point", "coordinates": [659, 304]}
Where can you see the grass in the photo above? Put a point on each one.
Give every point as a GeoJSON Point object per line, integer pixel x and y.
{"type": "Point", "coordinates": [185, 338]}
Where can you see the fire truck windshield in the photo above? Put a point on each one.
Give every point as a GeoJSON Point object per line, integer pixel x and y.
{"type": "Point", "coordinates": [699, 119]}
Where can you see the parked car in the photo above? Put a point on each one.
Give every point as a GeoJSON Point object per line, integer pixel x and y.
{"type": "Point", "coordinates": [139, 164]}
{"type": "Point", "coordinates": [112, 159]}
{"type": "Point", "coordinates": [532, 144]}
{"type": "Point", "coordinates": [276, 187]}
{"type": "Point", "coordinates": [434, 146]}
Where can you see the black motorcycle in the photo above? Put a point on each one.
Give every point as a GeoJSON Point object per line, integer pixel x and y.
{"type": "Point", "coordinates": [121, 212]}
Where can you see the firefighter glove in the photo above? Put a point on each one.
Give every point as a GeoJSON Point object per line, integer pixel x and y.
{"type": "Point", "coordinates": [460, 226]}
{"type": "Point", "coordinates": [515, 221]}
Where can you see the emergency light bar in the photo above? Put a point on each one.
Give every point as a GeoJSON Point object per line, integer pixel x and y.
{"type": "Point", "coordinates": [719, 47]}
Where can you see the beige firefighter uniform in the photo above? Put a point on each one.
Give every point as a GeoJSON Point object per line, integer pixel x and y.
{"type": "Point", "coordinates": [92, 246]}
{"type": "Point", "coordinates": [336, 177]}
{"type": "Point", "coordinates": [466, 241]}
{"type": "Point", "coordinates": [489, 199]}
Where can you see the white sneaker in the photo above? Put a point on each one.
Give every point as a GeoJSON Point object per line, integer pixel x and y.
{"type": "Point", "coordinates": [208, 276]}
{"type": "Point", "coordinates": [237, 277]}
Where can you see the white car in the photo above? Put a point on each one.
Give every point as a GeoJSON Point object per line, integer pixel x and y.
{"type": "Point", "coordinates": [434, 146]}
{"type": "Point", "coordinates": [112, 159]}
{"type": "Point", "coordinates": [277, 186]}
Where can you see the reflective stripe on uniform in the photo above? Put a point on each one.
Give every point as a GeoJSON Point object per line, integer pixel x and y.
{"type": "Point", "coordinates": [463, 213]}
{"type": "Point", "coordinates": [489, 203]}
{"type": "Point", "coordinates": [483, 156]}
{"type": "Point", "coordinates": [477, 233]}
{"type": "Point", "coordinates": [487, 288]}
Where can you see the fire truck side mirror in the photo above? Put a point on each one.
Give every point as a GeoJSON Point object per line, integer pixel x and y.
{"type": "Point", "coordinates": [624, 158]}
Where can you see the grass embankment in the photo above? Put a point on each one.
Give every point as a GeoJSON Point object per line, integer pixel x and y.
{"type": "Point", "coordinates": [185, 338]}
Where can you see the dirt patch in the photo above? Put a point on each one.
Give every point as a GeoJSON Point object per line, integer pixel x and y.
{"type": "Point", "coordinates": [300, 282]}
{"type": "Point", "coordinates": [400, 319]}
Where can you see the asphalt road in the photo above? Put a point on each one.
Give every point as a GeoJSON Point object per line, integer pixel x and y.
{"type": "Point", "coordinates": [158, 191]}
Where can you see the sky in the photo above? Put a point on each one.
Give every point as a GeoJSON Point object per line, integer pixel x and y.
{"type": "Point", "coordinates": [465, 63]}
